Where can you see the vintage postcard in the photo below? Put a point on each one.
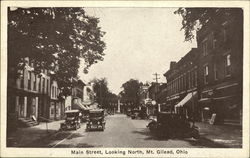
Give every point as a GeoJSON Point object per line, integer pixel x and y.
{"type": "Point", "coordinates": [125, 79]}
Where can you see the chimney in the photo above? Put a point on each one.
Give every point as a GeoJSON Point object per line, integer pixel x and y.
{"type": "Point", "coordinates": [172, 64]}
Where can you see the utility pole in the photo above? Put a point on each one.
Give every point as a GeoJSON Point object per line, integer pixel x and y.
{"type": "Point", "coordinates": [156, 91]}
{"type": "Point", "coordinates": [156, 77]}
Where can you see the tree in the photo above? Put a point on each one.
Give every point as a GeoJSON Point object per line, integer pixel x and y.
{"type": "Point", "coordinates": [103, 94]}
{"type": "Point", "coordinates": [194, 19]}
{"type": "Point", "coordinates": [54, 39]}
{"type": "Point", "coordinates": [130, 93]}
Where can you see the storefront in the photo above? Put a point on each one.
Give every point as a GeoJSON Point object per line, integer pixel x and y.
{"type": "Point", "coordinates": [186, 107]}
{"type": "Point", "coordinates": [224, 102]}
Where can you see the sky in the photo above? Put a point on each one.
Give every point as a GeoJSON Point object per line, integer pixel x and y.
{"type": "Point", "coordinates": [139, 43]}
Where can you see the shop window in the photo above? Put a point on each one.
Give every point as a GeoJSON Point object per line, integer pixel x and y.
{"type": "Point", "coordinates": [228, 65]}
{"type": "Point", "coordinates": [205, 74]}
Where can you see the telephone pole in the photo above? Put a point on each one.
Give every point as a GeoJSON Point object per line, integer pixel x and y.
{"type": "Point", "coordinates": [156, 91]}
{"type": "Point", "coordinates": [156, 77]}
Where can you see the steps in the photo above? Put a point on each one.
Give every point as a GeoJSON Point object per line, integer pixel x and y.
{"type": "Point", "coordinates": [27, 122]}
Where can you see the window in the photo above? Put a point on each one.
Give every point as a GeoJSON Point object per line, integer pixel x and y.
{"type": "Point", "coordinates": [22, 78]}
{"type": "Point", "coordinates": [29, 80]}
{"type": "Point", "coordinates": [225, 34]}
{"type": "Point", "coordinates": [215, 72]}
{"type": "Point", "coordinates": [214, 40]}
{"type": "Point", "coordinates": [215, 43]}
{"type": "Point", "coordinates": [40, 84]}
{"type": "Point", "coordinates": [48, 86]}
{"type": "Point", "coordinates": [195, 74]}
{"type": "Point", "coordinates": [194, 79]}
{"type": "Point", "coordinates": [204, 48]}
{"type": "Point", "coordinates": [184, 81]}
{"type": "Point", "coordinates": [189, 80]}
{"type": "Point", "coordinates": [206, 74]}
{"type": "Point", "coordinates": [43, 85]}
{"type": "Point", "coordinates": [228, 65]}
{"type": "Point", "coordinates": [34, 83]}
{"type": "Point", "coordinates": [52, 93]}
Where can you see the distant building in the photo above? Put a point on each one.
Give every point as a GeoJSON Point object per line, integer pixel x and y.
{"type": "Point", "coordinates": [89, 95]}
{"type": "Point", "coordinates": [75, 100]}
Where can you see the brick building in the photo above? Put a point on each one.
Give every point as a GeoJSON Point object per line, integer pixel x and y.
{"type": "Point", "coordinates": [220, 43]}
{"type": "Point", "coordinates": [181, 88]}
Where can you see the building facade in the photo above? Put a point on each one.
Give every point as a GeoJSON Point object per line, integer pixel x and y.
{"type": "Point", "coordinates": [182, 82]}
{"type": "Point", "coordinates": [75, 100]}
{"type": "Point", "coordinates": [28, 95]}
{"type": "Point", "coordinates": [57, 102]}
{"type": "Point", "coordinates": [220, 44]}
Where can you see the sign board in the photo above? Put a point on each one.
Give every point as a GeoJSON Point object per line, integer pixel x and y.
{"type": "Point", "coordinates": [212, 120]}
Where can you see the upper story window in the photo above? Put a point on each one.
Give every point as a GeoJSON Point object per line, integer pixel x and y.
{"type": "Point", "coordinates": [44, 90]}
{"type": "Point", "coordinates": [34, 83]}
{"type": "Point", "coordinates": [205, 74]}
{"type": "Point", "coordinates": [215, 72]}
{"type": "Point", "coordinates": [29, 80]}
{"type": "Point", "coordinates": [204, 47]}
{"type": "Point", "coordinates": [225, 34]}
{"type": "Point", "coordinates": [228, 65]}
{"type": "Point", "coordinates": [214, 40]}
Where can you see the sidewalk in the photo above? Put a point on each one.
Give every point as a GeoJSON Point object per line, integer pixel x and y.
{"type": "Point", "coordinates": [23, 136]}
{"type": "Point", "coordinates": [225, 135]}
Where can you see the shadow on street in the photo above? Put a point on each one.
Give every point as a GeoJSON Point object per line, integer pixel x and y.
{"type": "Point", "coordinates": [202, 141]}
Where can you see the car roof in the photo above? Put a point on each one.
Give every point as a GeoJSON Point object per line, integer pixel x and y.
{"type": "Point", "coordinates": [71, 111]}
{"type": "Point", "coordinates": [96, 110]}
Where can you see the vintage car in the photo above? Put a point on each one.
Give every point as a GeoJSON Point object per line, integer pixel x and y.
{"type": "Point", "coordinates": [85, 115]}
{"type": "Point", "coordinates": [170, 125]}
{"type": "Point", "coordinates": [128, 112]}
{"type": "Point", "coordinates": [135, 114]}
{"type": "Point", "coordinates": [96, 120]}
{"type": "Point", "coordinates": [72, 120]}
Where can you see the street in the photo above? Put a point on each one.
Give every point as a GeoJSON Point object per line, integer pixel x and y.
{"type": "Point", "coordinates": [121, 131]}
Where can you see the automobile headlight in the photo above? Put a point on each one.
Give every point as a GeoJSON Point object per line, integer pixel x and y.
{"type": "Point", "coordinates": [90, 123]}
{"type": "Point", "coordinates": [98, 122]}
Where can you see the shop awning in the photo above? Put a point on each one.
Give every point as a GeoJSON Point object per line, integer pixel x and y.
{"type": "Point", "coordinates": [186, 99]}
{"type": "Point", "coordinates": [173, 98]}
{"type": "Point", "coordinates": [205, 100]}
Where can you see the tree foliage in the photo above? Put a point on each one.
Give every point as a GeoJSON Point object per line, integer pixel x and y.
{"type": "Point", "coordinates": [131, 90]}
{"type": "Point", "coordinates": [54, 39]}
{"type": "Point", "coordinates": [103, 95]}
{"type": "Point", "coordinates": [194, 19]}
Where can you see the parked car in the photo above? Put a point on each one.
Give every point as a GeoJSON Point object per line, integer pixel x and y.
{"type": "Point", "coordinates": [172, 125]}
{"type": "Point", "coordinates": [96, 120]}
{"type": "Point", "coordinates": [72, 120]}
{"type": "Point", "coordinates": [135, 114]}
{"type": "Point", "coordinates": [128, 112]}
